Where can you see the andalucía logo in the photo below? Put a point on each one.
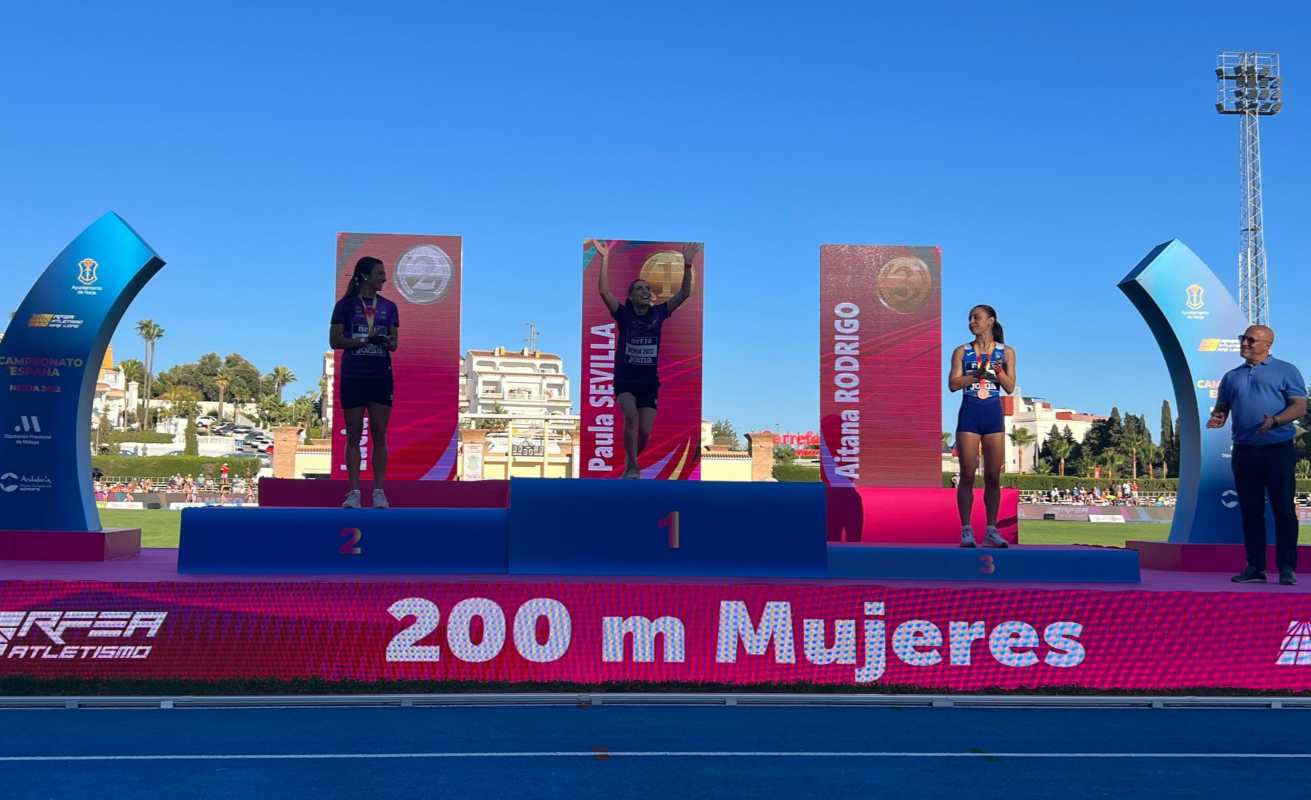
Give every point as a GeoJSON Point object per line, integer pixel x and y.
{"type": "Point", "coordinates": [87, 275]}
{"type": "Point", "coordinates": [47, 641]}
{"type": "Point", "coordinates": [1296, 649]}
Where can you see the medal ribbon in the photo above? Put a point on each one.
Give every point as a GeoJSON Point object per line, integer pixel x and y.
{"type": "Point", "coordinates": [369, 312]}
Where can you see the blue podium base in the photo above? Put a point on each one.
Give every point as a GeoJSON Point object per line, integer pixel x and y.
{"type": "Point", "coordinates": [1039, 563]}
{"type": "Point", "coordinates": [321, 540]}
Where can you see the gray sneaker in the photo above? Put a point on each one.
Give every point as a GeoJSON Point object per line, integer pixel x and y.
{"type": "Point", "coordinates": [380, 499]}
{"type": "Point", "coordinates": [352, 499]}
{"type": "Point", "coordinates": [993, 539]}
{"type": "Point", "coordinates": [967, 536]}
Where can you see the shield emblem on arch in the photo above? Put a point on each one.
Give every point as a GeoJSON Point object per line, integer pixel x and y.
{"type": "Point", "coordinates": [86, 271]}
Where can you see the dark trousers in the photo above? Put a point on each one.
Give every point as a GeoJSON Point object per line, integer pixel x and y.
{"type": "Point", "coordinates": [1260, 470]}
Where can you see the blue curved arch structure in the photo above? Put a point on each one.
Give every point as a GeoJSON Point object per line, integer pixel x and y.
{"type": "Point", "coordinates": [49, 363]}
{"type": "Point", "coordinates": [1196, 324]}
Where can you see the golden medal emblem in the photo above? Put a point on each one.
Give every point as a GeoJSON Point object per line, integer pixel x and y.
{"type": "Point", "coordinates": [663, 272]}
{"type": "Point", "coordinates": [905, 284]}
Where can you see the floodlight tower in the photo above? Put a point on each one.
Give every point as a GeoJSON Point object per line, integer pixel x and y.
{"type": "Point", "coordinates": [1248, 85]}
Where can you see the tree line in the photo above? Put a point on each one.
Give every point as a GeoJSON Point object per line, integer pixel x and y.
{"type": "Point", "coordinates": [230, 379]}
{"type": "Point", "coordinates": [1119, 447]}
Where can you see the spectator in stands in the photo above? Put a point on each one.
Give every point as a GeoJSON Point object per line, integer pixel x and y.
{"type": "Point", "coordinates": [1265, 396]}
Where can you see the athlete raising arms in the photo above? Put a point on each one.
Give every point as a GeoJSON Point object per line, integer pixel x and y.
{"type": "Point", "coordinates": [981, 369]}
{"type": "Point", "coordinates": [637, 379]}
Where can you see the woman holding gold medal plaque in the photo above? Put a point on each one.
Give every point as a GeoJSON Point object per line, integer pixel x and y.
{"type": "Point", "coordinates": [981, 369]}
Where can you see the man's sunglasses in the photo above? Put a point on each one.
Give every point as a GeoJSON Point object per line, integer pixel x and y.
{"type": "Point", "coordinates": [1245, 339]}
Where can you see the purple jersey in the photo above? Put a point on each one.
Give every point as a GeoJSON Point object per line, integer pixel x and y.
{"type": "Point", "coordinates": [639, 343]}
{"type": "Point", "coordinates": [352, 314]}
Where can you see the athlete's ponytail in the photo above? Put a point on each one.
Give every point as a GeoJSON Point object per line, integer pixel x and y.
{"type": "Point", "coordinates": [997, 334]}
{"type": "Point", "coordinates": [363, 269]}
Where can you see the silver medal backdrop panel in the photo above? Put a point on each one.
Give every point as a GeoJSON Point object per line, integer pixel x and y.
{"type": "Point", "coordinates": [1196, 324]}
{"type": "Point", "coordinates": [49, 363]}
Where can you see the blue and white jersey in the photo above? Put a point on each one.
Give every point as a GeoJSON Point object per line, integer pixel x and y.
{"type": "Point", "coordinates": [970, 363]}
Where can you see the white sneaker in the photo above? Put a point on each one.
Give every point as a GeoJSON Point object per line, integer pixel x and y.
{"type": "Point", "coordinates": [380, 499]}
{"type": "Point", "coordinates": [352, 499]}
{"type": "Point", "coordinates": [967, 536]}
{"type": "Point", "coordinates": [632, 473]}
{"type": "Point", "coordinates": [993, 539]}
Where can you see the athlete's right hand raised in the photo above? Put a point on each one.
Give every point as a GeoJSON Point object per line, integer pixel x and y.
{"type": "Point", "coordinates": [602, 249]}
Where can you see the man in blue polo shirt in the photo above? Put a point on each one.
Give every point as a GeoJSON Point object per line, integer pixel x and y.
{"type": "Point", "coordinates": [1265, 396]}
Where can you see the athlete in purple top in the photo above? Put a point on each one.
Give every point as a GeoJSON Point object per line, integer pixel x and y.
{"type": "Point", "coordinates": [366, 327]}
{"type": "Point", "coordinates": [637, 378]}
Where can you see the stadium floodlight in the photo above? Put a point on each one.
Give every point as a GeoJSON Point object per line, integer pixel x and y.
{"type": "Point", "coordinates": [1248, 85]}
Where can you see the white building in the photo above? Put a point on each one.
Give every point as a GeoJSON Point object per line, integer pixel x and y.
{"type": "Point", "coordinates": [523, 382]}
{"type": "Point", "coordinates": [1038, 416]}
{"type": "Point", "coordinates": [329, 387]}
{"type": "Point", "coordinates": [115, 394]}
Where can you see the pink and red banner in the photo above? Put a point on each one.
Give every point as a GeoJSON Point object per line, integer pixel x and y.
{"type": "Point", "coordinates": [674, 451]}
{"type": "Point", "coordinates": [880, 356]}
{"type": "Point", "coordinates": [949, 639]}
{"type": "Point", "coordinates": [423, 279]}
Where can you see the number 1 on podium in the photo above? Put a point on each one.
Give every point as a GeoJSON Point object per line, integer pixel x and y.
{"type": "Point", "coordinates": [670, 521]}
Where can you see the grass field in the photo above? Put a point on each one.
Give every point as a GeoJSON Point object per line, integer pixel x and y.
{"type": "Point", "coordinates": [160, 529]}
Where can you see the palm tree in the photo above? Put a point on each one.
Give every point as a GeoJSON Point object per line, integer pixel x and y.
{"type": "Point", "coordinates": [281, 376]}
{"type": "Point", "coordinates": [150, 333]}
{"type": "Point", "coordinates": [1152, 453]}
{"type": "Point", "coordinates": [222, 382]}
{"type": "Point", "coordinates": [1021, 438]}
{"type": "Point", "coordinates": [1060, 448]}
{"type": "Point", "coordinates": [179, 397]}
{"type": "Point", "coordinates": [1111, 461]}
{"type": "Point", "coordinates": [1132, 443]}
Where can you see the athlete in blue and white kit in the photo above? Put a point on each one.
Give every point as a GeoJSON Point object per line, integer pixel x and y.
{"type": "Point", "coordinates": [981, 369]}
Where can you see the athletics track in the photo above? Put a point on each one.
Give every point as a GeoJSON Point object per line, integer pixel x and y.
{"type": "Point", "coordinates": [616, 751]}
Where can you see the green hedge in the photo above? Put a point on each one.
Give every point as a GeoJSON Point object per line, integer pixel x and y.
{"type": "Point", "coordinates": [795, 472]}
{"type": "Point", "coordinates": [160, 466]}
{"type": "Point", "coordinates": [1029, 482]}
{"type": "Point", "coordinates": [116, 437]}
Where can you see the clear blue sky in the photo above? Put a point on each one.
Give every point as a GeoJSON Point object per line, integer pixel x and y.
{"type": "Point", "coordinates": [1044, 150]}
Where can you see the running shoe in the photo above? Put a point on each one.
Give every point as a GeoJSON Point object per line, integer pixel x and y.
{"type": "Point", "coordinates": [1287, 578]}
{"type": "Point", "coordinates": [380, 499]}
{"type": "Point", "coordinates": [967, 536]}
{"type": "Point", "coordinates": [632, 473]}
{"type": "Point", "coordinates": [1250, 574]}
{"type": "Point", "coordinates": [993, 539]}
{"type": "Point", "coordinates": [352, 499]}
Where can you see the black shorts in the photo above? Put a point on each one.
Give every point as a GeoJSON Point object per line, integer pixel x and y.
{"type": "Point", "coordinates": [360, 392]}
{"type": "Point", "coordinates": [646, 394]}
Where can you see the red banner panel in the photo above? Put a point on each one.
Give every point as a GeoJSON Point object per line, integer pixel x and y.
{"type": "Point", "coordinates": [674, 451]}
{"type": "Point", "coordinates": [948, 639]}
{"type": "Point", "coordinates": [423, 280]}
{"type": "Point", "coordinates": [880, 357]}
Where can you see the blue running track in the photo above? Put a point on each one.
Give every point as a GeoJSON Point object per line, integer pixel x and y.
{"type": "Point", "coordinates": [655, 752]}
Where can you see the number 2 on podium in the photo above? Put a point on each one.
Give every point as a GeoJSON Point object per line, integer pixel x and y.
{"type": "Point", "coordinates": [351, 547]}
{"type": "Point", "coordinates": [670, 521]}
